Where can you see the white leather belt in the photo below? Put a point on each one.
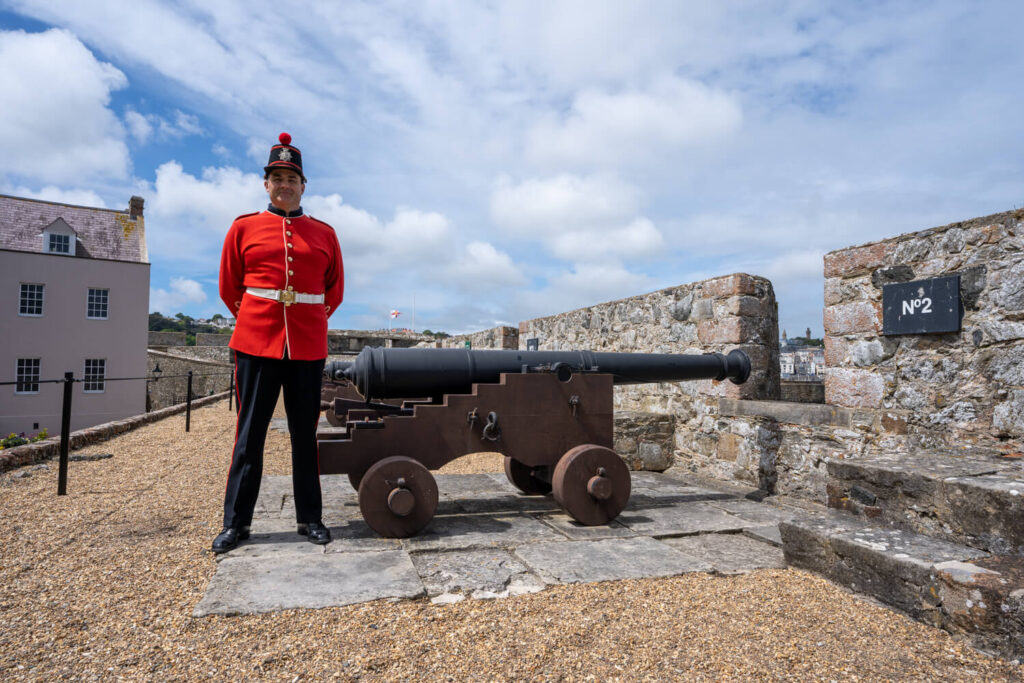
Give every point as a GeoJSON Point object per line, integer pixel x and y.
{"type": "Point", "coordinates": [286, 297]}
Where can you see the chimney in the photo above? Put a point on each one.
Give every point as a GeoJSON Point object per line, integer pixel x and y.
{"type": "Point", "coordinates": [135, 207]}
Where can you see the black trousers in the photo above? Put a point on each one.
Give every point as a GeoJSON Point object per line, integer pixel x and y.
{"type": "Point", "coordinates": [258, 382]}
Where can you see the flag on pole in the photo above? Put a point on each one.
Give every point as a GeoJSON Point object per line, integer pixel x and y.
{"type": "Point", "coordinates": [395, 314]}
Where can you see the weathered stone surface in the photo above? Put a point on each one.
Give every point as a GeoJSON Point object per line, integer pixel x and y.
{"type": "Point", "coordinates": [1010, 296]}
{"type": "Point", "coordinates": [247, 585]}
{"type": "Point", "coordinates": [1008, 416]}
{"type": "Point", "coordinates": [480, 574]}
{"type": "Point", "coordinates": [972, 499]}
{"type": "Point", "coordinates": [944, 381]}
{"type": "Point", "coordinates": [853, 318]}
{"type": "Point", "coordinates": [644, 440]}
{"type": "Point", "coordinates": [607, 560]}
{"type": "Point", "coordinates": [729, 553]}
{"type": "Point", "coordinates": [788, 413]}
{"type": "Point", "coordinates": [758, 513]}
{"type": "Point", "coordinates": [460, 532]}
{"type": "Point", "coordinates": [680, 520]}
{"type": "Point", "coordinates": [271, 538]}
{"type": "Point", "coordinates": [956, 587]}
{"type": "Point", "coordinates": [885, 276]}
{"type": "Point", "coordinates": [354, 535]}
{"type": "Point", "coordinates": [573, 530]}
{"type": "Point", "coordinates": [765, 534]}
{"type": "Point", "coordinates": [739, 283]}
{"type": "Point", "coordinates": [984, 600]}
{"type": "Point", "coordinates": [854, 388]}
{"type": "Point", "coordinates": [856, 260]}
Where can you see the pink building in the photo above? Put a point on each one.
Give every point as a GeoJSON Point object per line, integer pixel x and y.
{"type": "Point", "coordinates": [74, 297]}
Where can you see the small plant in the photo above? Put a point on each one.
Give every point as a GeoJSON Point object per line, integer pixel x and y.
{"type": "Point", "coordinates": [43, 434]}
{"type": "Point", "coordinates": [13, 440]}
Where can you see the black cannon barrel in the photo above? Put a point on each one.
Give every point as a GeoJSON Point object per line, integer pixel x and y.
{"type": "Point", "coordinates": [396, 373]}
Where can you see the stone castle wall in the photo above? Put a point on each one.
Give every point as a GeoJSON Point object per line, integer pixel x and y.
{"type": "Point", "coordinates": [208, 378]}
{"type": "Point", "coordinates": [494, 338]}
{"type": "Point", "coordinates": [716, 315]}
{"type": "Point", "coordinates": [158, 339]}
{"type": "Point", "coordinates": [342, 342]}
{"type": "Point", "coordinates": [802, 392]}
{"type": "Point", "coordinates": [218, 354]}
{"type": "Point", "coordinates": [208, 339]}
{"type": "Point", "coordinates": [932, 390]}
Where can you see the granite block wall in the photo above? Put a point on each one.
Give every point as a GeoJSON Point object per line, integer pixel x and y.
{"type": "Point", "coordinates": [501, 337]}
{"type": "Point", "coordinates": [716, 315]}
{"type": "Point", "coordinates": [208, 378]}
{"type": "Point", "coordinates": [942, 390]}
{"type": "Point", "coordinates": [166, 339]}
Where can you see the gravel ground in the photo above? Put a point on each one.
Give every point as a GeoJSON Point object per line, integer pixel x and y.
{"type": "Point", "coordinates": [101, 584]}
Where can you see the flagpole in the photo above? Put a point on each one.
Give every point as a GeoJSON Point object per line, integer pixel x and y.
{"type": "Point", "coordinates": [414, 314]}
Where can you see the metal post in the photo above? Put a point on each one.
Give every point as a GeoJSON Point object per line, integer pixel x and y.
{"type": "Point", "coordinates": [65, 435]}
{"type": "Point", "coordinates": [188, 403]}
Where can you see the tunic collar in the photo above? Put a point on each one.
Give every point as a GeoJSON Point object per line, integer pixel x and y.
{"type": "Point", "coordinates": [287, 214]}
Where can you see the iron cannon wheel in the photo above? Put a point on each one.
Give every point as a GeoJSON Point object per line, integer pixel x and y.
{"type": "Point", "coordinates": [398, 497]}
{"type": "Point", "coordinates": [592, 484]}
{"type": "Point", "coordinates": [533, 481]}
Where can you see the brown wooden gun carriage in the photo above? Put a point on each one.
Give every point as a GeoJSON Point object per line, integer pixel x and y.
{"type": "Point", "coordinates": [548, 412]}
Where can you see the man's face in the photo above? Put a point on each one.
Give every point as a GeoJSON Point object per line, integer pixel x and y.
{"type": "Point", "coordinates": [285, 189]}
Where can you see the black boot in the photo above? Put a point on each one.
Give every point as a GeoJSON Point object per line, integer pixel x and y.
{"type": "Point", "coordinates": [228, 538]}
{"type": "Point", "coordinates": [315, 532]}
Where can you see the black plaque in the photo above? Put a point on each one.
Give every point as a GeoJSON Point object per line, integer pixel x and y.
{"type": "Point", "coordinates": [922, 307]}
{"type": "Point", "coordinates": [533, 344]}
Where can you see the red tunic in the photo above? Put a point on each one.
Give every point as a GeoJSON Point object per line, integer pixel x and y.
{"type": "Point", "coordinates": [270, 251]}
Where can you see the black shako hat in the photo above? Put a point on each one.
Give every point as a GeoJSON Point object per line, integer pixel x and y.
{"type": "Point", "coordinates": [283, 155]}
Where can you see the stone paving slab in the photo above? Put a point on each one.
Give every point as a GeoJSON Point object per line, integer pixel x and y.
{"type": "Point", "coordinates": [479, 531]}
{"type": "Point", "coordinates": [729, 553]}
{"type": "Point", "coordinates": [573, 530]}
{"type": "Point", "coordinates": [607, 560]}
{"type": "Point", "coordinates": [766, 534]}
{"type": "Point", "coordinates": [248, 585]}
{"type": "Point", "coordinates": [681, 520]}
{"type": "Point", "coordinates": [481, 574]}
{"type": "Point", "coordinates": [759, 513]}
{"type": "Point", "coordinates": [487, 540]}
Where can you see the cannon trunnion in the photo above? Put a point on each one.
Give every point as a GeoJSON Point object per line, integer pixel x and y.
{"type": "Point", "coordinates": [549, 414]}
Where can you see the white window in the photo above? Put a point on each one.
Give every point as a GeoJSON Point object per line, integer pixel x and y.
{"type": "Point", "coordinates": [31, 300]}
{"type": "Point", "coordinates": [27, 376]}
{"type": "Point", "coordinates": [96, 308]}
{"type": "Point", "coordinates": [59, 244]}
{"type": "Point", "coordinates": [95, 374]}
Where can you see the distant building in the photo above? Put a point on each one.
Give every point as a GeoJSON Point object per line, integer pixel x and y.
{"type": "Point", "coordinates": [74, 296]}
{"type": "Point", "coordinates": [800, 362]}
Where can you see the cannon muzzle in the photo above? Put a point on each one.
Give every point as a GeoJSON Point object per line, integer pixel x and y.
{"type": "Point", "coordinates": [379, 373]}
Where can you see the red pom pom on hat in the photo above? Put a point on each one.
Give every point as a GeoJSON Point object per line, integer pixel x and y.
{"type": "Point", "coordinates": [285, 138]}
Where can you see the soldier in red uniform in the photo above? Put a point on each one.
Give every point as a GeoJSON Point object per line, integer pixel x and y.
{"type": "Point", "coordinates": [281, 276]}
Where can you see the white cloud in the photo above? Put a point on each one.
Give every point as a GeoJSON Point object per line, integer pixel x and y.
{"type": "Point", "coordinates": [632, 126]}
{"type": "Point", "coordinates": [187, 217]}
{"type": "Point", "coordinates": [578, 219]}
{"type": "Point", "coordinates": [481, 268]}
{"type": "Point", "coordinates": [584, 285]}
{"type": "Point", "coordinates": [52, 193]}
{"type": "Point", "coordinates": [181, 292]}
{"type": "Point", "coordinates": [55, 114]}
{"type": "Point", "coordinates": [138, 125]}
{"type": "Point", "coordinates": [143, 126]}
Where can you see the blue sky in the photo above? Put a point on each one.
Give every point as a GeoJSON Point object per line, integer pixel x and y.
{"type": "Point", "coordinates": [491, 162]}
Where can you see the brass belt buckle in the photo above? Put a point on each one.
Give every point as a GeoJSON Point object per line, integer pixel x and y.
{"type": "Point", "coordinates": [286, 297]}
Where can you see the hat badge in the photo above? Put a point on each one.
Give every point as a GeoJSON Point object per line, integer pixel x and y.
{"type": "Point", "coordinates": [284, 155]}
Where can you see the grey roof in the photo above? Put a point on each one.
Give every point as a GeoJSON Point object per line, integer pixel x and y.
{"type": "Point", "coordinates": [102, 233]}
